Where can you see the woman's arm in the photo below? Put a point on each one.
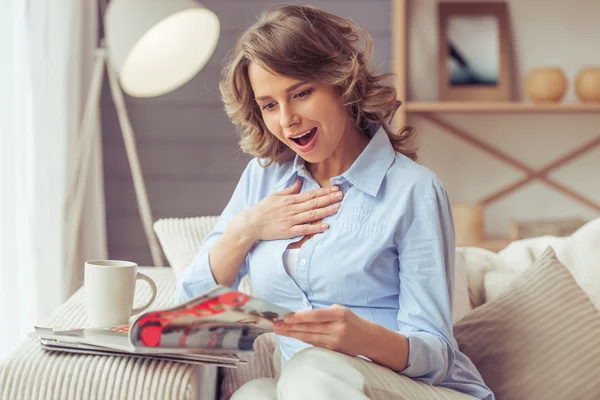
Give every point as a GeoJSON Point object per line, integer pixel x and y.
{"type": "Point", "coordinates": [229, 252]}
{"type": "Point", "coordinates": [386, 347]}
{"type": "Point", "coordinates": [200, 276]}
{"type": "Point", "coordinates": [426, 263]}
{"type": "Point", "coordinates": [281, 215]}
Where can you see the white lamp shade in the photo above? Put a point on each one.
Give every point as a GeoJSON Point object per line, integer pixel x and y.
{"type": "Point", "coordinates": [157, 46]}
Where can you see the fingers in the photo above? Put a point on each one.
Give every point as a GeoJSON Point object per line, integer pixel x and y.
{"type": "Point", "coordinates": [281, 328]}
{"type": "Point", "coordinates": [308, 229]}
{"type": "Point", "coordinates": [316, 215]}
{"type": "Point", "coordinates": [319, 202]}
{"type": "Point", "coordinates": [329, 314]}
{"type": "Point", "coordinates": [313, 194]}
{"type": "Point", "coordinates": [293, 188]}
{"type": "Point", "coordinates": [316, 339]}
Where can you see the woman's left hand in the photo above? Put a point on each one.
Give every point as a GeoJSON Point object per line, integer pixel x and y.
{"type": "Point", "coordinates": [334, 328]}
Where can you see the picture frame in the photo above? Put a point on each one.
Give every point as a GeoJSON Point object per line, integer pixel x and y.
{"type": "Point", "coordinates": [475, 56]}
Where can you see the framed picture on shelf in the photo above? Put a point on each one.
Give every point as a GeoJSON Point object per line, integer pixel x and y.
{"type": "Point", "coordinates": [475, 55]}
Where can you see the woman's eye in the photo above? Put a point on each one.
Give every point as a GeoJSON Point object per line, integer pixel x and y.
{"type": "Point", "coordinates": [269, 106]}
{"type": "Point", "coordinates": [303, 93]}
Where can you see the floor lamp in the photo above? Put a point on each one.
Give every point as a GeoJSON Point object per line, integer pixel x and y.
{"type": "Point", "coordinates": [150, 48]}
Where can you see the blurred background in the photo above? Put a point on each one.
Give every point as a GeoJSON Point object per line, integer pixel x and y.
{"type": "Point", "coordinates": [191, 162]}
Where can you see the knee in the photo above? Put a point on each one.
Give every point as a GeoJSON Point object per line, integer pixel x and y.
{"type": "Point", "coordinates": [320, 367]}
{"type": "Point", "coordinates": [302, 368]}
{"type": "Point", "coordinates": [261, 388]}
{"type": "Point", "coordinates": [312, 358]}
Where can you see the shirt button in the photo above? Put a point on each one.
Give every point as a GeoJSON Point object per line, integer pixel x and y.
{"type": "Point", "coordinates": [303, 261]}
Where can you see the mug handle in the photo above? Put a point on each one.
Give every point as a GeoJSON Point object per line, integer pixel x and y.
{"type": "Point", "coordinates": [146, 278]}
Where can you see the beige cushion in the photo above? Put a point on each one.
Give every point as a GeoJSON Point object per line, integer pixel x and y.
{"type": "Point", "coordinates": [181, 238]}
{"type": "Point", "coordinates": [538, 340]}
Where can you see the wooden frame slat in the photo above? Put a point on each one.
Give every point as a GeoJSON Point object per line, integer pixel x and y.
{"type": "Point", "coordinates": [532, 174]}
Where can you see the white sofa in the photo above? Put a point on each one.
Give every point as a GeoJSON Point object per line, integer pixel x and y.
{"type": "Point", "coordinates": [33, 374]}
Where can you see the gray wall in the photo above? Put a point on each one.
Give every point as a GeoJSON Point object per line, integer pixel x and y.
{"type": "Point", "coordinates": [187, 146]}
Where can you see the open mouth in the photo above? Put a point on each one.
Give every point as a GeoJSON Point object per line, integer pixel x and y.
{"type": "Point", "coordinates": [306, 138]}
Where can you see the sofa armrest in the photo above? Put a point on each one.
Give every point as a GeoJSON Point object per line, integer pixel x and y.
{"type": "Point", "coordinates": [33, 373]}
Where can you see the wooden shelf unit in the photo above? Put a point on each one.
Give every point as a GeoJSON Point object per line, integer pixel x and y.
{"type": "Point", "coordinates": [498, 107]}
{"type": "Point", "coordinates": [429, 109]}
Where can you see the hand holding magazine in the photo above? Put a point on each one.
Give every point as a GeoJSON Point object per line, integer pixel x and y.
{"type": "Point", "coordinates": [209, 328]}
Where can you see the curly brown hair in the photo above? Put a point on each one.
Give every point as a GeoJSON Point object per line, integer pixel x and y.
{"type": "Point", "coordinates": [311, 45]}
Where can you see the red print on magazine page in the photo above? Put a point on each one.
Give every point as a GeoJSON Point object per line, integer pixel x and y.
{"type": "Point", "coordinates": [221, 318]}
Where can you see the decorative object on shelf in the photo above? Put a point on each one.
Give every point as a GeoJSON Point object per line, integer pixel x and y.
{"type": "Point", "coordinates": [546, 85]}
{"type": "Point", "coordinates": [587, 85]}
{"type": "Point", "coordinates": [468, 223]}
{"type": "Point", "coordinates": [557, 227]}
{"type": "Point", "coordinates": [475, 56]}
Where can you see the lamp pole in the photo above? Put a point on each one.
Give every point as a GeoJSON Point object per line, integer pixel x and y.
{"type": "Point", "coordinates": [85, 143]}
{"type": "Point", "coordinates": [139, 185]}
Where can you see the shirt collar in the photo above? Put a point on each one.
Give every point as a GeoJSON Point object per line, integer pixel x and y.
{"type": "Point", "coordinates": [297, 169]}
{"type": "Point", "coordinates": [367, 171]}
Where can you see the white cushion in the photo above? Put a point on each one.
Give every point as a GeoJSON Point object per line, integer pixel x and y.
{"type": "Point", "coordinates": [520, 254]}
{"type": "Point", "coordinates": [476, 262]}
{"type": "Point", "coordinates": [580, 253]}
{"type": "Point", "coordinates": [462, 303]}
{"type": "Point", "coordinates": [496, 282]}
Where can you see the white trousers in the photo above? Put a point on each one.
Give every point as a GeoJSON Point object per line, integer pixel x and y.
{"type": "Point", "coordinates": [320, 374]}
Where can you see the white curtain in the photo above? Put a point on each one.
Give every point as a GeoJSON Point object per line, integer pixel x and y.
{"type": "Point", "coordinates": [46, 52]}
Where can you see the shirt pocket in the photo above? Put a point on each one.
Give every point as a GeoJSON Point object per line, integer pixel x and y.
{"type": "Point", "coordinates": [359, 222]}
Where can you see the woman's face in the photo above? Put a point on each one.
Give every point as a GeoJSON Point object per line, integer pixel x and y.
{"type": "Point", "coordinates": [309, 118]}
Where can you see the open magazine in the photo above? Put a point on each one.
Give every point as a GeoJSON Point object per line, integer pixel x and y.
{"type": "Point", "coordinates": [211, 328]}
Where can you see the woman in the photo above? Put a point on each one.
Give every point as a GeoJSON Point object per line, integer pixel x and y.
{"type": "Point", "coordinates": [334, 220]}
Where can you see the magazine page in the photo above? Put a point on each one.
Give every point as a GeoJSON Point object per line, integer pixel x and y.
{"type": "Point", "coordinates": [228, 361]}
{"type": "Point", "coordinates": [114, 337]}
{"type": "Point", "coordinates": [115, 340]}
{"type": "Point", "coordinates": [221, 318]}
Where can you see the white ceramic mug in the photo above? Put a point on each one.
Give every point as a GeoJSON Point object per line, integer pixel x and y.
{"type": "Point", "coordinates": [109, 289]}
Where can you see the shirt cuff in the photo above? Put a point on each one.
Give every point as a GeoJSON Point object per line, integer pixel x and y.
{"type": "Point", "coordinates": [427, 358]}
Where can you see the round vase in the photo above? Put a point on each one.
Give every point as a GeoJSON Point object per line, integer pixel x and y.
{"type": "Point", "coordinates": [587, 85]}
{"type": "Point", "coordinates": [546, 85]}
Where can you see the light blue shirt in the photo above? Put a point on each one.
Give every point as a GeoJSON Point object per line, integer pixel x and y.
{"type": "Point", "coordinates": [388, 255]}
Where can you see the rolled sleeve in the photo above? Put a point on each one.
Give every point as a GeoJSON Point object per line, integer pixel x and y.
{"type": "Point", "coordinates": [428, 358]}
{"type": "Point", "coordinates": [197, 278]}
{"type": "Point", "coordinates": [426, 263]}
